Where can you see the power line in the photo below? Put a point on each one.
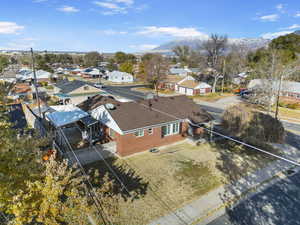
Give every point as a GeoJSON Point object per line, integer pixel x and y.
{"type": "Point", "coordinates": [93, 194]}
{"type": "Point", "coordinates": [4, 216]}
{"type": "Point", "coordinates": [230, 138]}
{"type": "Point", "coordinates": [127, 190]}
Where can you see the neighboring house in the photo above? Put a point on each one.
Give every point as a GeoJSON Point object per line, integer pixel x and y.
{"type": "Point", "coordinates": [290, 90]}
{"type": "Point", "coordinates": [180, 71]}
{"type": "Point", "coordinates": [170, 82]}
{"type": "Point", "coordinates": [189, 86]}
{"type": "Point", "coordinates": [41, 75]}
{"type": "Point", "coordinates": [119, 77]}
{"type": "Point", "coordinates": [240, 78]}
{"type": "Point", "coordinates": [140, 126]}
{"type": "Point", "coordinates": [91, 73]}
{"type": "Point", "coordinates": [8, 76]}
{"type": "Point", "coordinates": [74, 91]}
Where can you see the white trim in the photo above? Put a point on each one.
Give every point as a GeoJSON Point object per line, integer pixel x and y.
{"type": "Point", "coordinates": [153, 126]}
{"type": "Point", "coordinates": [102, 114]}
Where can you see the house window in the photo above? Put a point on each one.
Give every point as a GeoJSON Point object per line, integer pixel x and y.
{"type": "Point", "coordinates": [166, 130]}
{"type": "Point", "coordinates": [175, 128]}
{"type": "Point", "coordinates": [86, 88]}
{"type": "Point", "coordinates": [170, 129]}
{"type": "Point", "coordinates": [139, 133]}
{"type": "Point", "coordinates": [150, 131]}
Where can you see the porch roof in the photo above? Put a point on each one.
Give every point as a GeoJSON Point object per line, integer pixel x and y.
{"type": "Point", "coordinates": [65, 114]}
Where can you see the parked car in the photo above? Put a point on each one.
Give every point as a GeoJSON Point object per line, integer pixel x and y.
{"type": "Point", "coordinates": [245, 94]}
{"type": "Point", "coordinates": [98, 85]}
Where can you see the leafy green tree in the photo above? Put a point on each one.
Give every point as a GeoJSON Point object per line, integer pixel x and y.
{"type": "Point", "coordinates": [120, 57]}
{"type": "Point", "coordinates": [3, 63]}
{"type": "Point", "coordinates": [60, 197]}
{"type": "Point", "coordinates": [126, 67]}
{"type": "Point", "coordinates": [92, 59]}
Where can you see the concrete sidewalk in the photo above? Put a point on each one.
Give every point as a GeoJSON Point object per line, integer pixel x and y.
{"type": "Point", "coordinates": [198, 211]}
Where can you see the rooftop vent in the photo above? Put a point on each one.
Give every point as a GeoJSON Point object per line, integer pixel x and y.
{"type": "Point", "coordinates": [110, 106]}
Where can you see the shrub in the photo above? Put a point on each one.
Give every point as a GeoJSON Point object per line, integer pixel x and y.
{"type": "Point", "coordinates": [251, 126]}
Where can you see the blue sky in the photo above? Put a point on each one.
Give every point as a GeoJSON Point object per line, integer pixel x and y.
{"type": "Point", "coordinates": [137, 25]}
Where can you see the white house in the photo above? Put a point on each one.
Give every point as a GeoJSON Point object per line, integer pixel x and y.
{"type": "Point", "coordinates": [189, 86]}
{"type": "Point", "coordinates": [120, 77]}
{"type": "Point", "coordinates": [28, 74]}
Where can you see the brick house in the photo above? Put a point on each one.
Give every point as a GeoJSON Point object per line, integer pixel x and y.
{"type": "Point", "coordinates": [170, 82]}
{"type": "Point", "coordinates": [189, 86]}
{"type": "Point", "coordinates": [140, 126]}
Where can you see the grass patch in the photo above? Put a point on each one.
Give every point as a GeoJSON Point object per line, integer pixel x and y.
{"type": "Point", "coordinates": [291, 113]}
{"type": "Point", "coordinates": [212, 97]}
{"type": "Point", "coordinates": [200, 176]}
{"type": "Point", "coordinates": [49, 87]}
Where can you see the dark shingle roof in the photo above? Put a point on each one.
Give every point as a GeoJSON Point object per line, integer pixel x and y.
{"type": "Point", "coordinates": [66, 86]}
{"type": "Point", "coordinates": [134, 115]}
{"type": "Point", "coordinates": [95, 101]}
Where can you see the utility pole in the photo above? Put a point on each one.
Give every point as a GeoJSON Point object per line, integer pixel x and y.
{"type": "Point", "coordinates": [224, 65]}
{"type": "Point", "coordinates": [278, 96]}
{"type": "Point", "coordinates": [35, 84]}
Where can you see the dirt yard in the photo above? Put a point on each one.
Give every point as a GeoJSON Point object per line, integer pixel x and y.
{"type": "Point", "coordinates": [176, 175]}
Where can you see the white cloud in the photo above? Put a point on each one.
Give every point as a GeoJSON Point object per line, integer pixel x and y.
{"type": "Point", "coordinates": [172, 31]}
{"type": "Point", "coordinates": [127, 2]}
{"type": "Point", "coordinates": [143, 47]}
{"type": "Point", "coordinates": [269, 18]}
{"type": "Point", "coordinates": [68, 9]}
{"type": "Point", "coordinates": [276, 34]}
{"type": "Point", "coordinates": [280, 8]}
{"type": "Point", "coordinates": [112, 7]}
{"type": "Point", "coordinates": [10, 28]}
{"type": "Point", "coordinates": [292, 27]}
{"type": "Point", "coordinates": [297, 14]}
{"type": "Point", "coordinates": [112, 32]}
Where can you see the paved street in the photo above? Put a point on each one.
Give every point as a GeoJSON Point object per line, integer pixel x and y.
{"type": "Point", "coordinates": [216, 109]}
{"type": "Point", "coordinates": [277, 205]}
{"type": "Point", "coordinates": [217, 113]}
{"type": "Point", "coordinates": [125, 91]}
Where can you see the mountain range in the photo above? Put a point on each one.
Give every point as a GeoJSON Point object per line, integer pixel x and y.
{"type": "Point", "coordinates": [195, 43]}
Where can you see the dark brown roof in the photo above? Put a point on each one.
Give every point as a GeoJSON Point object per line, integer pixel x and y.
{"type": "Point", "coordinates": [134, 115]}
{"type": "Point", "coordinates": [97, 101]}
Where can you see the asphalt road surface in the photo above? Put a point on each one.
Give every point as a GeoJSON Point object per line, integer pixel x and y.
{"type": "Point", "coordinates": [126, 92]}
{"type": "Point", "coordinates": [278, 204]}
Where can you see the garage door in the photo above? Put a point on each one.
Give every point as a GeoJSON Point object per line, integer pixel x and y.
{"type": "Point", "coordinates": [189, 91]}
{"type": "Point", "coordinates": [181, 90]}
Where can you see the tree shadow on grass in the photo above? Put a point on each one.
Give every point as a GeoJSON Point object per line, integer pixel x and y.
{"type": "Point", "coordinates": [126, 182]}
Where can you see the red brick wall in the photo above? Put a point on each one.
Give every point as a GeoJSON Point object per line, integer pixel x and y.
{"type": "Point", "coordinates": [129, 144]}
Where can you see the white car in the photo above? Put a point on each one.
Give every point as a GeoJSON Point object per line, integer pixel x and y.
{"type": "Point", "coordinates": [98, 85]}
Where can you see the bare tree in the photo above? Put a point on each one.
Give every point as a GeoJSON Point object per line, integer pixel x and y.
{"type": "Point", "coordinates": [183, 53]}
{"type": "Point", "coordinates": [156, 69]}
{"type": "Point", "coordinates": [214, 48]}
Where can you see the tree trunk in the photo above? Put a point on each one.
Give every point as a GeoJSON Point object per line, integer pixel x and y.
{"type": "Point", "coordinates": [214, 85]}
